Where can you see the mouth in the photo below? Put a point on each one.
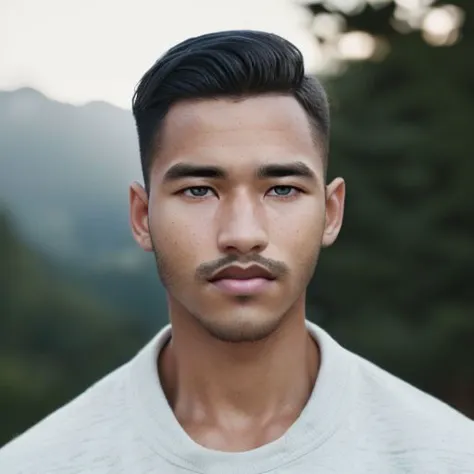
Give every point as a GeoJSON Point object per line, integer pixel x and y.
{"type": "Point", "coordinates": [239, 280]}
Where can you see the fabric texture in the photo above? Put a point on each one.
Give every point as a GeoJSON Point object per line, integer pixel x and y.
{"type": "Point", "coordinates": [359, 419]}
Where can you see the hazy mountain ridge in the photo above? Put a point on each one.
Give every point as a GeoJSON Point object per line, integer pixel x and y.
{"type": "Point", "coordinates": [64, 177]}
{"type": "Point", "coordinates": [65, 172]}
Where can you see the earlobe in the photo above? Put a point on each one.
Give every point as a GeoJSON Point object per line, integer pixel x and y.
{"type": "Point", "coordinates": [335, 197]}
{"type": "Point", "coordinates": [139, 216]}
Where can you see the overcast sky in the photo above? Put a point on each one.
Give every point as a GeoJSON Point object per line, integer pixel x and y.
{"type": "Point", "coordinates": [82, 50]}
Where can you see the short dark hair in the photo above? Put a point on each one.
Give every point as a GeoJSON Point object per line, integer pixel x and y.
{"type": "Point", "coordinates": [224, 64]}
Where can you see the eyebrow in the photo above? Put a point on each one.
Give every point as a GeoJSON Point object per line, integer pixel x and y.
{"type": "Point", "coordinates": [298, 169]}
{"type": "Point", "coordinates": [187, 170]}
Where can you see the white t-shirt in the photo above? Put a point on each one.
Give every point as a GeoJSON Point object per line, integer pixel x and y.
{"type": "Point", "coordinates": [358, 420]}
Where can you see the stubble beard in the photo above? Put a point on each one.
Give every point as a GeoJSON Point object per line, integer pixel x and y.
{"type": "Point", "coordinates": [235, 332]}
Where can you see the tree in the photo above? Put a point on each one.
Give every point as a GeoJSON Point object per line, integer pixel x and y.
{"type": "Point", "coordinates": [397, 286]}
{"type": "Point", "coordinates": [52, 337]}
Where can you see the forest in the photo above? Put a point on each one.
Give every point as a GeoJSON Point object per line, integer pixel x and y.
{"type": "Point", "coordinates": [395, 288]}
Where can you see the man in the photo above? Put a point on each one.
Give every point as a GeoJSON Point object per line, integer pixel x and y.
{"type": "Point", "coordinates": [234, 148]}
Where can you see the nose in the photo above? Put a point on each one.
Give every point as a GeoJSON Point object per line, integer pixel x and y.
{"type": "Point", "coordinates": [242, 227]}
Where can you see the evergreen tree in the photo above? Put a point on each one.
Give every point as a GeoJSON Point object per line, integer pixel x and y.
{"type": "Point", "coordinates": [397, 285]}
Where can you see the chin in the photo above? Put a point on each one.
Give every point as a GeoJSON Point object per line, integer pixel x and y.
{"type": "Point", "coordinates": [241, 328]}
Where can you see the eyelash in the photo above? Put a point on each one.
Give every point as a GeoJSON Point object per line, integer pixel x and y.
{"type": "Point", "coordinates": [295, 191]}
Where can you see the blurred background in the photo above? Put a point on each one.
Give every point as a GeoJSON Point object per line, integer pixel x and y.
{"type": "Point", "coordinates": [77, 296]}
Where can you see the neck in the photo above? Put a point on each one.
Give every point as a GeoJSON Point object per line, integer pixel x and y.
{"type": "Point", "coordinates": [207, 379]}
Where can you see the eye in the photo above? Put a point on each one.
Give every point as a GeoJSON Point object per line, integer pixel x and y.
{"type": "Point", "coordinates": [284, 191]}
{"type": "Point", "coordinates": [197, 191]}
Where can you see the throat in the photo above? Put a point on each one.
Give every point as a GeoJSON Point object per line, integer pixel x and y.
{"type": "Point", "coordinates": [237, 437]}
{"type": "Point", "coordinates": [237, 408]}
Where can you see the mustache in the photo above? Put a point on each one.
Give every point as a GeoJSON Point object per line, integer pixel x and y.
{"type": "Point", "coordinates": [207, 269]}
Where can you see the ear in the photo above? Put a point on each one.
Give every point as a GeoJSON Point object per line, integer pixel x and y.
{"type": "Point", "coordinates": [335, 196]}
{"type": "Point", "coordinates": [139, 216]}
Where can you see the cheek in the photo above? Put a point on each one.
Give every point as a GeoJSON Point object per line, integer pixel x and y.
{"type": "Point", "coordinates": [301, 227]}
{"type": "Point", "coordinates": [179, 237]}
{"type": "Point", "coordinates": [297, 239]}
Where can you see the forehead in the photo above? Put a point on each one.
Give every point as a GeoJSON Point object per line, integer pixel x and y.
{"type": "Point", "coordinates": [238, 131]}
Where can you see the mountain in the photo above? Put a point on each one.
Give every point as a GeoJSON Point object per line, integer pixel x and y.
{"type": "Point", "coordinates": [79, 298]}
{"type": "Point", "coordinates": [64, 173]}
{"type": "Point", "coordinates": [64, 177]}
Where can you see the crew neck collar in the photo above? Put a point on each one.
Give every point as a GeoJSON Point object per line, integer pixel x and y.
{"type": "Point", "coordinates": [323, 414]}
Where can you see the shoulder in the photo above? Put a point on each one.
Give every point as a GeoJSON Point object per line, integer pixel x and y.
{"type": "Point", "coordinates": [73, 433]}
{"type": "Point", "coordinates": [410, 420]}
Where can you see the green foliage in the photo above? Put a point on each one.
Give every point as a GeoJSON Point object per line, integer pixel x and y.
{"type": "Point", "coordinates": [397, 286]}
{"type": "Point", "coordinates": [55, 340]}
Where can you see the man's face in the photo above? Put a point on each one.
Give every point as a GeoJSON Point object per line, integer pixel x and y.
{"type": "Point", "coordinates": [237, 212]}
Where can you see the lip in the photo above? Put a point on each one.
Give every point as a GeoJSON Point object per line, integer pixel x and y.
{"type": "Point", "coordinates": [237, 272]}
{"type": "Point", "coordinates": [239, 280]}
{"type": "Point", "coordinates": [249, 286]}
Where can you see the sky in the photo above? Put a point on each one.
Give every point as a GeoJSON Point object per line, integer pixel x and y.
{"type": "Point", "coordinates": [79, 51]}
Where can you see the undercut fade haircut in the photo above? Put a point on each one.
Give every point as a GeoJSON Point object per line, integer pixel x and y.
{"type": "Point", "coordinates": [234, 64]}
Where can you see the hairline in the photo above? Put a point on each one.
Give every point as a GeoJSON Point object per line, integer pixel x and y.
{"type": "Point", "coordinates": [319, 136]}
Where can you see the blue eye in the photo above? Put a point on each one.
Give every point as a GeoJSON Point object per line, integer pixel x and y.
{"type": "Point", "coordinates": [197, 191]}
{"type": "Point", "coordinates": [283, 191]}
